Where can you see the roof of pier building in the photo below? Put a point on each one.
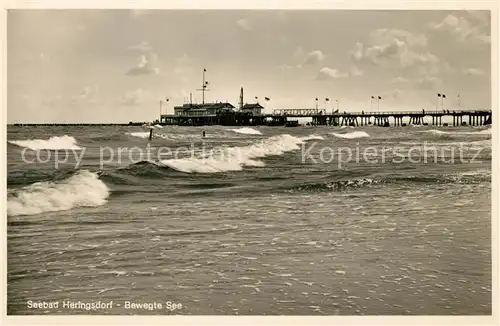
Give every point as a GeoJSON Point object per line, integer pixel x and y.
{"type": "Point", "coordinates": [251, 106]}
{"type": "Point", "coordinates": [205, 106]}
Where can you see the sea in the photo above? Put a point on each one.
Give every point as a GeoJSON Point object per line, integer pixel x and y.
{"type": "Point", "coordinates": [249, 220]}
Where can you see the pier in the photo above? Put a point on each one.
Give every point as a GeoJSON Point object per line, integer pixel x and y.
{"type": "Point", "coordinates": [280, 117]}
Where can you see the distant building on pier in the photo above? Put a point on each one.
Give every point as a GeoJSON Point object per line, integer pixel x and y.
{"type": "Point", "coordinates": [253, 108]}
{"type": "Point", "coordinates": [205, 109]}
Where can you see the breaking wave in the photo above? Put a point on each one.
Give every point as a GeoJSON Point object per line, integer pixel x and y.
{"type": "Point", "coordinates": [471, 177]}
{"type": "Point", "coordinates": [440, 132]}
{"type": "Point", "coordinates": [53, 143]}
{"type": "Point", "coordinates": [140, 134]}
{"type": "Point", "coordinates": [83, 189]}
{"type": "Point", "coordinates": [247, 131]}
{"type": "Point", "coordinates": [351, 135]}
{"type": "Point", "coordinates": [235, 158]}
{"type": "Point", "coordinates": [312, 137]}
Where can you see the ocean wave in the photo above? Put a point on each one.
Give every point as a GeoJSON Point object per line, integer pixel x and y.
{"type": "Point", "coordinates": [351, 135]}
{"type": "Point", "coordinates": [158, 126]}
{"type": "Point", "coordinates": [441, 132]}
{"type": "Point", "coordinates": [470, 177]}
{"type": "Point", "coordinates": [247, 131]}
{"type": "Point", "coordinates": [235, 158]}
{"type": "Point", "coordinates": [83, 189]}
{"type": "Point", "coordinates": [140, 134]}
{"type": "Point", "coordinates": [53, 143]}
{"type": "Point", "coordinates": [312, 137]}
{"type": "Point", "coordinates": [145, 135]}
{"type": "Point", "coordinates": [334, 185]}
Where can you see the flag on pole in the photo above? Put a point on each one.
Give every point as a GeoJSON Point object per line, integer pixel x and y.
{"type": "Point", "coordinates": [316, 98]}
{"type": "Point", "coordinates": [204, 69]}
{"type": "Point", "coordinates": [379, 97]}
{"type": "Point", "coordinates": [444, 96]}
{"type": "Point", "coordinates": [327, 99]}
{"type": "Point", "coordinates": [373, 96]}
{"type": "Point", "coordinates": [267, 98]}
{"type": "Point", "coordinates": [167, 99]}
{"type": "Point", "coordinates": [439, 95]}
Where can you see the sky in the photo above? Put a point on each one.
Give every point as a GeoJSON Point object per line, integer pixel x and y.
{"type": "Point", "coordinates": [99, 65]}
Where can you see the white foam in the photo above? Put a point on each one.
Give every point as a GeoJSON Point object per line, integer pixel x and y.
{"type": "Point", "coordinates": [312, 137]}
{"type": "Point", "coordinates": [53, 143]}
{"type": "Point", "coordinates": [158, 126]}
{"type": "Point", "coordinates": [80, 190]}
{"type": "Point", "coordinates": [351, 135]}
{"type": "Point", "coordinates": [440, 132]}
{"type": "Point", "coordinates": [235, 158]}
{"type": "Point", "coordinates": [140, 134]}
{"type": "Point", "coordinates": [247, 131]}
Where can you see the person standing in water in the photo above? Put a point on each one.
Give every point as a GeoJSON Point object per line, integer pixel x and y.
{"type": "Point", "coordinates": [203, 134]}
{"type": "Point", "coordinates": [150, 133]}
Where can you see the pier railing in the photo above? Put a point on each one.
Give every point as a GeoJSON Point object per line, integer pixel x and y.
{"type": "Point", "coordinates": [313, 112]}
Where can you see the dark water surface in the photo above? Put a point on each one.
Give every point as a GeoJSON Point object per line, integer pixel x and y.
{"type": "Point", "coordinates": [260, 225]}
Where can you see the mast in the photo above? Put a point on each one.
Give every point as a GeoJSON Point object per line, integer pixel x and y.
{"type": "Point", "coordinates": [204, 86]}
{"type": "Point", "coordinates": [241, 98]}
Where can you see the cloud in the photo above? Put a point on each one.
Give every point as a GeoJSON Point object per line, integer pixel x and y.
{"type": "Point", "coordinates": [481, 17]}
{"type": "Point", "coordinates": [463, 30]}
{"type": "Point", "coordinates": [397, 48]}
{"type": "Point", "coordinates": [357, 54]}
{"type": "Point", "coordinates": [429, 82]}
{"type": "Point", "coordinates": [393, 95]}
{"type": "Point", "coordinates": [380, 54]}
{"type": "Point", "coordinates": [244, 24]}
{"type": "Point", "coordinates": [356, 72]}
{"type": "Point", "coordinates": [88, 95]}
{"type": "Point", "coordinates": [384, 35]}
{"type": "Point", "coordinates": [473, 72]}
{"type": "Point", "coordinates": [142, 47]}
{"type": "Point", "coordinates": [52, 102]}
{"type": "Point", "coordinates": [133, 98]}
{"type": "Point", "coordinates": [329, 73]}
{"type": "Point", "coordinates": [314, 57]}
{"type": "Point", "coordinates": [143, 67]}
{"type": "Point", "coordinates": [399, 80]}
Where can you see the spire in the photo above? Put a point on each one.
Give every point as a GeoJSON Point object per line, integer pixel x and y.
{"type": "Point", "coordinates": [241, 98]}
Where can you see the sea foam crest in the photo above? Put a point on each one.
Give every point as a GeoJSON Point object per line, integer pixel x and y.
{"type": "Point", "coordinates": [441, 132]}
{"type": "Point", "coordinates": [351, 135]}
{"type": "Point", "coordinates": [312, 137]}
{"type": "Point", "coordinates": [247, 131]}
{"type": "Point", "coordinates": [140, 134]}
{"type": "Point", "coordinates": [53, 143]}
{"type": "Point", "coordinates": [83, 189]}
{"type": "Point", "coordinates": [235, 158]}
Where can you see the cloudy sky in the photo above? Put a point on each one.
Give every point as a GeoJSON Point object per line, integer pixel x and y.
{"type": "Point", "coordinates": [116, 65]}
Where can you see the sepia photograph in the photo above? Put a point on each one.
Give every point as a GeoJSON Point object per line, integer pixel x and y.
{"type": "Point", "coordinates": [268, 162]}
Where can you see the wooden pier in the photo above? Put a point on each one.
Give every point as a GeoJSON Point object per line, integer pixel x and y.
{"type": "Point", "coordinates": [280, 117]}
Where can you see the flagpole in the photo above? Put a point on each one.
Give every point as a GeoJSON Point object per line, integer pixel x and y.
{"type": "Point", "coordinates": [371, 103]}
{"type": "Point", "coordinates": [378, 104]}
{"type": "Point", "coordinates": [459, 101]}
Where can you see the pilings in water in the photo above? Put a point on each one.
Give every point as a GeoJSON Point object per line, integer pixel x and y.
{"type": "Point", "coordinates": [381, 121]}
